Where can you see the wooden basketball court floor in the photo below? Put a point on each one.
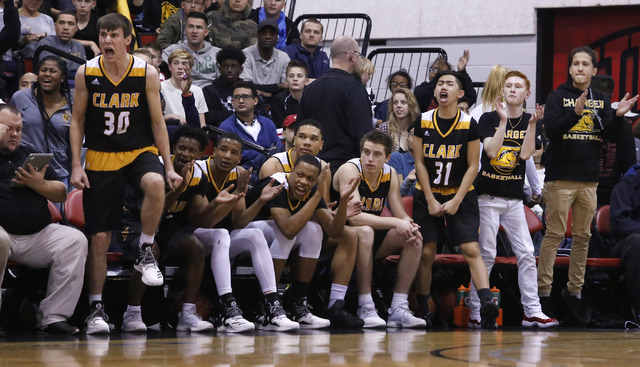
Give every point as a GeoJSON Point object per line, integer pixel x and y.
{"type": "Point", "coordinates": [323, 348]}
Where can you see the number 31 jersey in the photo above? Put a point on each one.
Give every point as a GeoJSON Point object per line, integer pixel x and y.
{"type": "Point", "coordinates": [117, 117]}
{"type": "Point", "coordinates": [444, 146]}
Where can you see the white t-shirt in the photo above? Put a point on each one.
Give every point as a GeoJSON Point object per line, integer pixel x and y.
{"type": "Point", "coordinates": [173, 98]}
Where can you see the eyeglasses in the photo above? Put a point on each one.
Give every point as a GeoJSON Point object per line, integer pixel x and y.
{"type": "Point", "coordinates": [357, 53]}
{"type": "Point", "coordinates": [244, 97]}
{"type": "Point", "coordinates": [193, 2]}
{"type": "Point", "coordinates": [401, 85]}
{"type": "Point", "coordinates": [433, 70]}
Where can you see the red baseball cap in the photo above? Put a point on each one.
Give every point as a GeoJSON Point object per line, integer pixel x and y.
{"type": "Point", "coordinates": [289, 120]}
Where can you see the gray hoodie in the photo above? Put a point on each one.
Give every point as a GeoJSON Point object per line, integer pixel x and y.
{"type": "Point", "coordinates": [204, 67]}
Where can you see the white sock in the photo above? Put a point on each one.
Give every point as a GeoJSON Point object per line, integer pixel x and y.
{"type": "Point", "coordinates": [188, 308]}
{"type": "Point", "coordinates": [145, 238]}
{"type": "Point", "coordinates": [133, 308]}
{"type": "Point", "coordinates": [338, 292]}
{"type": "Point", "coordinates": [365, 299]}
{"type": "Point", "coordinates": [94, 298]}
{"type": "Point", "coordinates": [398, 299]}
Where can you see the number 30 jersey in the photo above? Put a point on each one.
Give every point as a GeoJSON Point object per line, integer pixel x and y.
{"type": "Point", "coordinates": [117, 117]}
{"type": "Point", "coordinates": [444, 146]}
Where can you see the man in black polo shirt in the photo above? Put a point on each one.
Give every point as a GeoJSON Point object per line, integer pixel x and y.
{"type": "Point", "coordinates": [340, 103]}
{"type": "Point", "coordinates": [27, 234]}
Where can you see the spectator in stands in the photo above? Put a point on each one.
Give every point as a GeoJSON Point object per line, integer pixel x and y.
{"type": "Point", "coordinates": [309, 51]}
{"type": "Point", "coordinates": [34, 26]}
{"type": "Point", "coordinates": [219, 93]}
{"type": "Point", "coordinates": [273, 9]}
{"type": "Point", "coordinates": [156, 59]}
{"type": "Point", "coordinates": [463, 105]}
{"type": "Point", "coordinates": [250, 126]}
{"type": "Point", "coordinates": [398, 234]}
{"type": "Point", "coordinates": [288, 132]}
{"type": "Point", "coordinates": [27, 234]}
{"type": "Point", "coordinates": [266, 66]}
{"type": "Point", "coordinates": [575, 119]}
{"type": "Point", "coordinates": [27, 80]}
{"type": "Point", "coordinates": [287, 102]}
{"type": "Point", "coordinates": [87, 33]}
{"type": "Point", "coordinates": [405, 165]}
{"type": "Point", "coordinates": [58, 6]}
{"type": "Point", "coordinates": [173, 29]}
{"type": "Point", "coordinates": [364, 71]}
{"type": "Point", "coordinates": [616, 155]}
{"type": "Point", "coordinates": [204, 54]}
{"type": "Point", "coordinates": [223, 172]}
{"type": "Point", "coordinates": [286, 222]}
{"type": "Point", "coordinates": [180, 64]}
{"type": "Point", "coordinates": [424, 92]}
{"type": "Point", "coordinates": [397, 79]}
{"type": "Point", "coordinates": [404, 112]}
{"type": "Point", "coordinates": [46, 114]}
{"type": "Point", "coordinates": [492, 94]}
{"type": "Point", "coordinates": [508, 135]}
{"type": "Point", "coordinates": [446, 170]}
{"type": "Point", "coordinates": [340, 104]}
{"type": "Point", "coordinates": [150, 15]}
{"type": "Point", "coordinates": [625, 227]}
{"type": "Point", "coordinates": [9, 35]}
{"type": "Point", "coordinates": [66, 27]}
{"type": "Point", "coordinates": [231, 26]}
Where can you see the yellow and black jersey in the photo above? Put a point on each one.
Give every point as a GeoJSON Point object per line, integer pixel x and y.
{"type": "Point", "coordinates": [213, 190]}
{"type": "Point", "coordinates": [286, 160]}
{"type": "Point", "coordinates": [373, 194]}
{"type": "Point", "coordinates": [444, 148]}
{"type": "Point", "coordinates": [197, 185]}
{"type": "Point", "coordinates": [117, 117]}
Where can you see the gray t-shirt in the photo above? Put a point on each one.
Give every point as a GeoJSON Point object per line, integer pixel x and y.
{"type": "Point", "coordinates": [42, 24]}
{"type": "Point", "coordinates": [261, 71]}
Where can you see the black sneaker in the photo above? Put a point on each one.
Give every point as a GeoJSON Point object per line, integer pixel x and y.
{"type": "Point", "coordinates": [58, 328]}
{"type": "Point", "coordinates": [341, 318]}
{"type": "Point", "coordinates": [577, 307]}
{"type": "Point", "coordinates": [489, 313]}
{"type": "Point", "coordinates": [426, 316]}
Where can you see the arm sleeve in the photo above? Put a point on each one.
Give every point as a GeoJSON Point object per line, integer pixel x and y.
{"type": "Point", "coordinates": [10, 34]}
{"type": "Point", "coordinates": [532, 177]}
{"type": "Point", "coordinates": [190, 110]}
{"type": "Point", "coordinates": [217, 112]}
{"type": "Point", "coordinates": [469, 90]}
{"type": "Point", "coordinates": [278, 112]}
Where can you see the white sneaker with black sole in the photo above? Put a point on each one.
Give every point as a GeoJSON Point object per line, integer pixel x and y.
{"type": "Point", "coordinates": [275, 319]}
{"type": "Point", "coordinates": [147, 265]}
{"type": "Point", "coordinates": [232, 320]}
{"type": "Point", "coordinates": [307, 320]}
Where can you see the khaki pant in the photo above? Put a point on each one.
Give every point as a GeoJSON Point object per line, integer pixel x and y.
{"type": "Point", "coordinates": [61, 248]}
{"type": "Point", "coordinates": [559, 196]}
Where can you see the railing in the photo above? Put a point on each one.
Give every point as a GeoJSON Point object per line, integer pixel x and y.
{"type": "Point", "coordinates": [415, 60]}
{"type": "Point", "coordinates": [356, 25]}
{"type": "Point", "coordinates": [55, 51]}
